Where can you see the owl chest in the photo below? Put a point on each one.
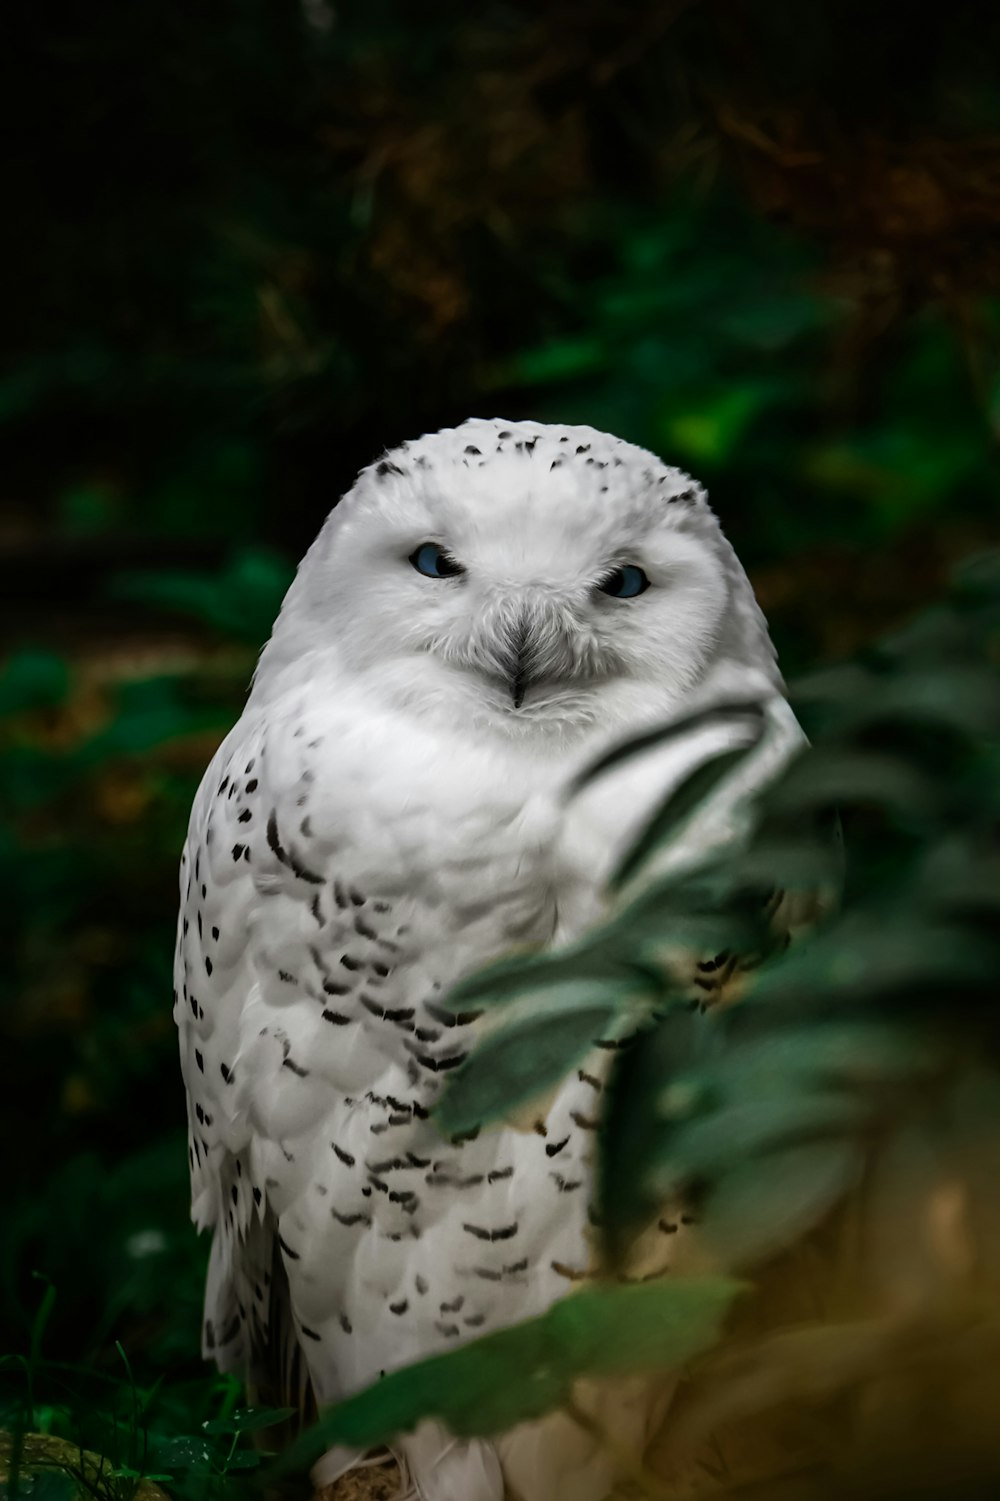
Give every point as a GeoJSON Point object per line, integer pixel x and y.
{"type": "Point", "coordinates": [466, 865]}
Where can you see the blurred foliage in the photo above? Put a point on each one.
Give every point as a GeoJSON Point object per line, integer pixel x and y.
{"type": "Point", "coordinates": [256, 244]}
{"type": "Point", "coordinates": [862, 1062]}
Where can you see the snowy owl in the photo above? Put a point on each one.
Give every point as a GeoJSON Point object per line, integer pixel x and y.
{"type": "Point", "coordinates": [485, 612]}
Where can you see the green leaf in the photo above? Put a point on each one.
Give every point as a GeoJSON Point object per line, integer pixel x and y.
{"type": "Point", "coordinates": [717, 1142]}
{"type": "Point", "coordinates": [241, 601]}
{"type": "Point", "coordinates": [33, 679]}
{"type": "Point", "coordinates": [768, 1202]}
{"type": "Point", "coordinates": [865, 954]}
{"type": "Point", "coordinates": [730, 712]}
{"type": "Point", "coordinates": [832, 776]}
{"type": "Point", "coordinates": [249, 1419]}
{"type": "Point", "coordinates": [595, 957]}
{"type": "Point", "coordinates": [632, 1135]}
{"type": "Point", "coordinates": [523, 1058]}
{"type": "Point", "coordinates": [680, 805]}
{"type": "Point", "coordinates": [860, 1053]}
{"type": "Point", "coordinates": [528, 1370]}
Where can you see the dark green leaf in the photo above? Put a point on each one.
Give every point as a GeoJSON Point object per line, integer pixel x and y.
{"type": "Point", "coordinates": [766, 1203]}
{"type": "Point", "coordinates": [732, 713]}
{"type": "Point", "coordinates": [718, 1142]}
{"type": "Point", "coordinates": [249, 1419]}
{"type": "Point", "coordinates": [631, 1135]}
{"type": "Point", "coordinates": [523, 1372]}
{"type": "Point", "coordinates": [682, 802]}
{"type": "Point", "coordinates": [522, 1058]}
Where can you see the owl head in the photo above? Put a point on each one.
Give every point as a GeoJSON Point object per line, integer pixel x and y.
{"type": "Point", "coordinates": [520, 579]}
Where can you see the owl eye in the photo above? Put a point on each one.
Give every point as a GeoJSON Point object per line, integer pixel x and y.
{"type": "Point", "coordinates": [434, 563]}
{"type": "Point", "coordinates": [624, 583]}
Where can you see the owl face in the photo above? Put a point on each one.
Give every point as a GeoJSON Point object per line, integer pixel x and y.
{"type": "Point", "coordinates": [519, 580]}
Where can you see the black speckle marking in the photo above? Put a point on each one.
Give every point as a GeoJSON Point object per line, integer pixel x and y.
{"type": "Point", "coordinates": [454, 1307]}
{"type": "Point", "coordinates": [238, 850]}
{"type": "Point", "coordinates": [499, 1174]}
{"type": "Point", "coordinates": [450, 1331]}
{"type": "Point", "coordinates": [565, 1185]}
{"type": "Point", "coordinates": [245, 816]}
{"type": "Point", "coordinates": [256, 1196]}
{"type": "Point", "coordinates": [345, 1324]}
{"type": "Point", "coordinates": [200, 1061]}
{"type": "Point", "coordinates": [226, 1072]}
{"type": "Point", "coordinates": [475, 1321]}
{"type": "Point", "coordinates": [441, 1065]}
{"type": "Point", "coordinates": [295, 1068]}
{"type": "Point", "coordinates": [553, 1148]}
{"type": "Point", "coordinates": [335, 1018]}
{"type": "Point", "coordinates": [351, 1219]}
{"type": "Point", "coordinates": [286, 858]}
{"type": "Point", "coordinates": [583, 1121]}
{"type": "Point", "coordinates": [505, 1232]}
{"type": "Point", "coordinates": [516, 1268]}
{"type": "Point", "coordinates": [215, 934]}
{"type": "Point", "coordinates": [667, 1227]}
{"type": "Point", "coordinates": [583, 448]}
{"type": "Point", "coordinates": [420, 1284]}
{"type": "Point", "coordinates": [345, 1157]}
{"type": "Point", "coordinates": [387, 467]}
{"type": "Point", "coordinates": [396, 1014]}
{"type": "Point", "coordinates": [400, 1307]}
{"type": "Point", "coordinates": [310, 1333]}
{"type": "Point", "coordinates": [287, 978]}
{"type": "Point", "coordinates": [451, 1018]}
{"type": "Point", "coordinates": [288, 1250]}
{"type": "Point", "coordinates": [471, 448]}
{"type": "Point", "coordinates": [349, 963]}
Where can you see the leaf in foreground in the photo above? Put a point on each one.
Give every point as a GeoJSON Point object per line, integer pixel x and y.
{"type": "Point", "coordinates": [528, 1370]}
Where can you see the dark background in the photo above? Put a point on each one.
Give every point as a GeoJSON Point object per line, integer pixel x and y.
{"type": "Point", "coordinates": [249, 244]}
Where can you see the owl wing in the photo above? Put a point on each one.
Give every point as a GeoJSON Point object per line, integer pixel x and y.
{"type": "Point", "coordinates": [246, 1324]}
{"type": "Point", "coordinates": [330, 896]}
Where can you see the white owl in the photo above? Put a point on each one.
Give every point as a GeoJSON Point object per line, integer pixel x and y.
{"type": "Point", "coordinates": [481, 615]}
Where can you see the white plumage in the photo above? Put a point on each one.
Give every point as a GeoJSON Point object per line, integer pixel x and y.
{"type": "Point", "coordinates": [385, 818]}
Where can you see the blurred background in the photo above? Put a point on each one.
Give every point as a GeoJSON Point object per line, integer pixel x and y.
{"type": "Point", "coordinates": [253, 242]}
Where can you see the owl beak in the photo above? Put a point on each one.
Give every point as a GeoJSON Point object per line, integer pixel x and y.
{"type": "Point", "coordinates": [521, 653]}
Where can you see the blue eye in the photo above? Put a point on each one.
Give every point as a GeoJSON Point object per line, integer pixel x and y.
{"type": "Point", "coordinates": [434, 563]}
{"type": "Point", "coordinates": [625, 583]}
